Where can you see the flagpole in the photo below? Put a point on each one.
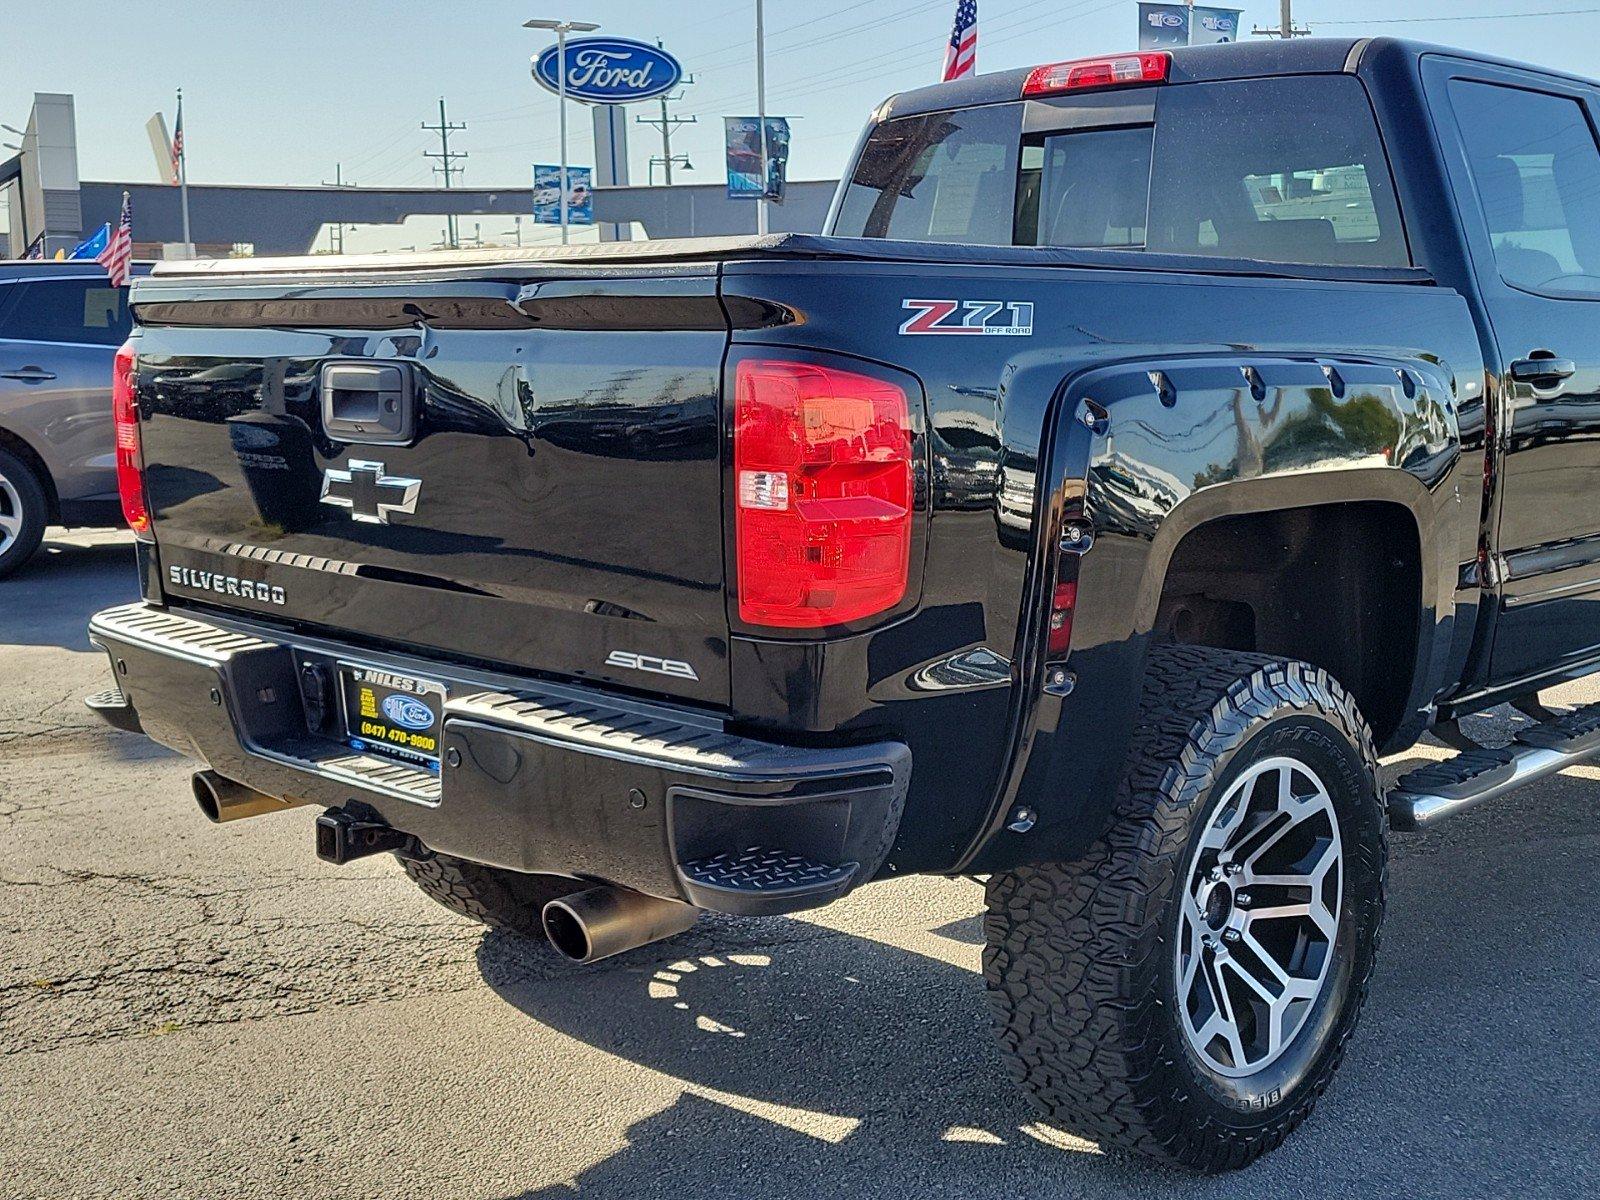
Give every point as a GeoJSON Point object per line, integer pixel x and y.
{"type": "Point", "coordinates": [183, 180]}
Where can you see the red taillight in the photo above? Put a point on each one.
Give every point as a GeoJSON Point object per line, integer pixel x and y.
{"type": "Point", "coordinates": [130, 459]}
{"type": "Point", "coordinates": [823, 487]}
{"type": "Point", "coordinates": [1062, 603]}
{"type": "Point", "coordinates": [1118, 71]}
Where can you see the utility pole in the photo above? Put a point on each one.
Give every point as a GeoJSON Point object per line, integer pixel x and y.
{"type": "Point", "coordinates": [668, 125]}
{"type": "Point", "coordinates": [447, 159]}
{"type": "Point", "coordinates": [336, 230]}
{"type": "Point", "coordinates": [1286, 27]}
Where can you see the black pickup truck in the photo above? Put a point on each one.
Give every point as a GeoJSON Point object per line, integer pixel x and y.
{"type": "Point", "coordinates": [1150, 443]}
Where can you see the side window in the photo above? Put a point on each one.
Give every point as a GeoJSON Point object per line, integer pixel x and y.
{"type": "Point", "coordinates": [1536, 169]}
{"type": "Point", "coordinates": [943, 177]}
{"type": "Point", "coordinates": [69, 310]}
{"type": "Point", "coordinates": [1278, 170]}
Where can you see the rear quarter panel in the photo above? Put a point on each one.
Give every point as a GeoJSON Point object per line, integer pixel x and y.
{"type": "Point", "coordinates": [1010, 454]}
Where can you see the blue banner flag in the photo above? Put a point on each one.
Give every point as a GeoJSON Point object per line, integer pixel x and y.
{"type": "Point", "coordinates": [1163, 26]}
{"type": "Point", "coordinates": [744, 157]}
{"type": "Point", "coordinates": [1208, 25]}
{"type": "Point", "coordinates": [94, 245]}
{"type": "Point", "coordinates": [547, 195]}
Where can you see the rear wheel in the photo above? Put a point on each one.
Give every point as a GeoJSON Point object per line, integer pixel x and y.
{"type": "Point", "coordinates": [24, 512]}
{"type": "Point", "coordinates": [1187, 989]}
{"type": "Point", "coordinates": [498, 898]}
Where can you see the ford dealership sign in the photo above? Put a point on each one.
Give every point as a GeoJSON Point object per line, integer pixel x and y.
{"type": "Point", "coordinates": [608, 70]}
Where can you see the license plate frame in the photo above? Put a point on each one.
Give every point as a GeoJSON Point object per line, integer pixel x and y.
{"type": "Point", "coordinates": [382, 712]}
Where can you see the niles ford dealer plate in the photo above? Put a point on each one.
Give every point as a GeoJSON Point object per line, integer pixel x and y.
{"type": "Point", "coordinates": [394, 714]}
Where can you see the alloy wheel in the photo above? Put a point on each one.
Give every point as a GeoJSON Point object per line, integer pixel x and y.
{"type": "Point", "coordinates": [1259, 917]}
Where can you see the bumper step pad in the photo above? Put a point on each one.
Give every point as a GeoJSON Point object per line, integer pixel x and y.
{"type": "Point", "coordinates": [768, 872]}
{"type": "Point", "coordinates": [1429, 794]}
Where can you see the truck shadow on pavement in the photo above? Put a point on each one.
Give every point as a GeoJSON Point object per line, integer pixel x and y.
{"type": "Point", "coordinates": [813, 1062]}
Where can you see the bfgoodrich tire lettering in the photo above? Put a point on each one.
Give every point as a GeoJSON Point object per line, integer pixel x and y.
{"type": "Point", "coordinates": [24, 511]}
{"type": "Point", "coordinates": [1082, 960]}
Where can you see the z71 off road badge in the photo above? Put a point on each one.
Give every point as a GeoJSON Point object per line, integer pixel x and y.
{"type": "Point", "coordinates": [997, 318]}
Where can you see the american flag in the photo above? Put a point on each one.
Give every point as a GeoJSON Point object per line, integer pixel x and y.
{"type": "Point", "coordinates": [177, 143]}
{"type": "Point", "coordinates": [961, 55]}
{"type": "Point", "coordinates": [117, 257]}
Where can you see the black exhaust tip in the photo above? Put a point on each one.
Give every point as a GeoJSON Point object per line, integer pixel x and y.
{"type": "Point", "coordinates": [566, 932]}
{"type": "Point", "coordinates": [594, 924]}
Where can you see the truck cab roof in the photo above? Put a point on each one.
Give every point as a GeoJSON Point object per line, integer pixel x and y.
{"type": "Point", "coordinates": [1200, 64]}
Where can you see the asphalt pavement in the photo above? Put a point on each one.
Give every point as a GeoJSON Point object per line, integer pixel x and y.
{"type": "Point", "coordinates": [209, 1011]}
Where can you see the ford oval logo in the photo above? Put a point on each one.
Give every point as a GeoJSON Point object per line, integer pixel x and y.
{"type": "Point", "coordinates": [252, 437]}
{"type": "Point", "coordinates": [607, 70]}
{"type": "Point", "coordinates": [407, 712]}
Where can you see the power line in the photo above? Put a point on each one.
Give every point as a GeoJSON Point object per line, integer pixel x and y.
{"type": "Point", "coordinates": [447, 160]}
{"type": "Point", "coordinates": [859, 70]}
{"type": "Point", "coordinates": [1286, 27]}
{"type": "Point", "coordinates": [1502, 16]}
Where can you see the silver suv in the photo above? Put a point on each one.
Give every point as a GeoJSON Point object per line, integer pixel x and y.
{"type": "Point", "coordinates": [60, 326]}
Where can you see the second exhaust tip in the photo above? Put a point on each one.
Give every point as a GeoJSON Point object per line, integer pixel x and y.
{"type": "Point", "coordinates": [222, 799]}
{"type": "Point", "coordinates": [591, 925]}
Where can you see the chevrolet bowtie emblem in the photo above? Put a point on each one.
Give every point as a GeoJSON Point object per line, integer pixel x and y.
{"type": "Point", "coordinates": [369, 494]}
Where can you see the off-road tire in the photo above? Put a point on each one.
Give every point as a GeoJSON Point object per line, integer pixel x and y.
{"type": "Point", "coordinates": [22, 490]}
{"type": "Point", "coordinates": [1079, 956]}
{"type": "Point", "coordinates": [496, 897]}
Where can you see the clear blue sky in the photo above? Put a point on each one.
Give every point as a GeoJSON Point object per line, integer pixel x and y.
{"type": "Point", "coordinates": [279, 92]}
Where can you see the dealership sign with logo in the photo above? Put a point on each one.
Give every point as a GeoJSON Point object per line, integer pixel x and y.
{"type": "Point", "coordinates": [610, 70]}
{"type": "Point", "coordinates": [1163, 26]}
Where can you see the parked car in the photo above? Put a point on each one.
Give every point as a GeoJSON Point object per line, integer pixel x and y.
{"type": "Point", "coordinates": [60, 326]}
{"type": "Point", "coordinates": [1151, 442]}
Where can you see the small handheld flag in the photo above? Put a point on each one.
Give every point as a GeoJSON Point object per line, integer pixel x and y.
{"type": "Point", "coordinates": [117, 257]}
{"type": "Point", "coordinates": [961, 55]}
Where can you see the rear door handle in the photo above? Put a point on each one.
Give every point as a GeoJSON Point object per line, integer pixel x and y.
{"type": "Point", "coordinates": [29, 375]}
{"type": "Point", "coordinates": [1542, 371]}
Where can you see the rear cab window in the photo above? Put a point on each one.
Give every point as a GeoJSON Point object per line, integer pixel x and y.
{"type": "Point", "coordinates": [1278, 170]}
{"type": "Point", "coordinates": [941, 177]}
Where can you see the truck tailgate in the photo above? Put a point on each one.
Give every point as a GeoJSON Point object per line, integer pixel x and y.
{"type": "Point", "coordinates": [554, 506]}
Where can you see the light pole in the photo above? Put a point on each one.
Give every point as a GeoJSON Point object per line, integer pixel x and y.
{"type": "Point", "coordinates": [761, 115]}
{"type": "Point", "coordinates": [561, 29]}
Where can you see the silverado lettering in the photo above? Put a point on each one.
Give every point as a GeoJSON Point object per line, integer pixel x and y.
{"type": "Point", "coordinates": [226, 585]}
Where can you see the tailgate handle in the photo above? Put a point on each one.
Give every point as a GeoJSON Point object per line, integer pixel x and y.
{"type": "Point", "coordinates": [372, 403]}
